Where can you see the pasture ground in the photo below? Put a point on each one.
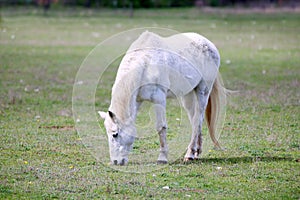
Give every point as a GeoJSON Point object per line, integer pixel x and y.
{"type": "Point", "coordinates": [42, 156]}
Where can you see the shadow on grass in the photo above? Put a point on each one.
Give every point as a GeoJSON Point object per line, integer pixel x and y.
{"type": "Point", "coordinates": [245, 159]}
{"type": "Point", "coordinates": [228, 160]}
{"type": "Point", "coordinates": [213, 161]}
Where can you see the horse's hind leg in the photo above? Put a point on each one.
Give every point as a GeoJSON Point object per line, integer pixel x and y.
{"type": "Point", "coordinates": [190, 104]}
{"type": "Point", "coordinates": [195, 103]}
{"type": "Point", "coordinates": [202, 93]}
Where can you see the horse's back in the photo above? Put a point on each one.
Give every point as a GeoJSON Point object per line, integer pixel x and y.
{"type": "Point", "coordinates": [203, 45]}
{"type": "Point", "coordinates": [179, 62]}
{"type": "Point", "coordinates": [190, 45]}
{"type": "Point", "coordinates": [201, 54]}
{"type": "Point", "coordinates": [194, 47]}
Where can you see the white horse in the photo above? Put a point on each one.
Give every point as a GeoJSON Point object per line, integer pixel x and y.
{"type": "Point", "coordinates": [154, 68]}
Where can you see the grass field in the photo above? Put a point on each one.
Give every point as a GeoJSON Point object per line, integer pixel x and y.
{"type": "Point", "coordinates": [42, 156]}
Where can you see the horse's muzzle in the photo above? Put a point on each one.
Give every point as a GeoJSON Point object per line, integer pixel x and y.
{"type": "Point", "coordinates": [123, 162]}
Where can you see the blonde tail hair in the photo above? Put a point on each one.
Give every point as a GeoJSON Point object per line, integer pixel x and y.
{"type": "Point", "coordinates": [215, 106]}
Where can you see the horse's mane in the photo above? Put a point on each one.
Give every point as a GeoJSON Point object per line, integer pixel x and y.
{"type": "Point", "coordinates": [130, 73]}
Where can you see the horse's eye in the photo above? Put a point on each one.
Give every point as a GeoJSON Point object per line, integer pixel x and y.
{"type": "Point", "coordinates": [115, 134]}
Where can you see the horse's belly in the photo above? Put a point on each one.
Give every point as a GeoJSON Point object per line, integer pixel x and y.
{"type": "Point", "coordinates": [183, 80]}
{"type": "Point", "coordinates": [182, 74]}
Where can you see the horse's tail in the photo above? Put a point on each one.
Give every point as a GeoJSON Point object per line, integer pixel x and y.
{"type": "Point", "coordinates": [215, 106]}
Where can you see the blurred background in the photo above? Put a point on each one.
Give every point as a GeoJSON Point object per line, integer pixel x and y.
{"type": "Point", "coordinates": [47, 4]}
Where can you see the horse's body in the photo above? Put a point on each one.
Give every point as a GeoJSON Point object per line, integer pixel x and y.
{"type": "Point", "coordinates": [154, 68]}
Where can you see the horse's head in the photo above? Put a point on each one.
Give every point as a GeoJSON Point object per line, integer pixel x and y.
{"type": "Point", "coordinates": [120, 138]}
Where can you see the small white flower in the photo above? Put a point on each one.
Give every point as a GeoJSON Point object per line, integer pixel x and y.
{"type": "Point", "coordinates": [37, 117]}
{"type": "Point", "coordinates": [166, 187]}
{"type": "Point", "coordinates": [77, 120]}
{"type": "Point", "coordinates": [219, 168]}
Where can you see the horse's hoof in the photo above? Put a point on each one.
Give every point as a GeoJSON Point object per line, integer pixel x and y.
{"type": "Point", "coordinates": [162, 162]}
{"type": "Point", "coordinates": [189, 159]}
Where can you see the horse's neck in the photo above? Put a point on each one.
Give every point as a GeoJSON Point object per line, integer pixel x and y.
{"type": "Point", "coordinates": [124, 93]}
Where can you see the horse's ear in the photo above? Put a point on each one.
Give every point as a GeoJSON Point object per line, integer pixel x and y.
{"type": "Point", "coordinates": [102, 114]}
{"type": "Point", "coordinates": [113, 116]}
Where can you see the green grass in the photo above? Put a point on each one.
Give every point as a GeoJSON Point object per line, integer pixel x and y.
{"type": "Point", "coordinates": [42, 156]}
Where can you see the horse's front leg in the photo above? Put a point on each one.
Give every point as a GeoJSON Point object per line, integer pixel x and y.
{"type": "Point", "coordinates": [163, 153]}
{"type": "Point", "coordinates": [161, 127]}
